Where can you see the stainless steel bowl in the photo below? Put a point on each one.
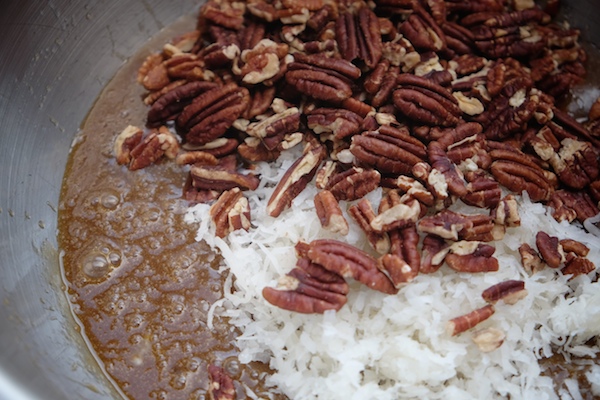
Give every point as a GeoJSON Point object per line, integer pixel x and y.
{"type": "Point", "coordinates": [55, 58]}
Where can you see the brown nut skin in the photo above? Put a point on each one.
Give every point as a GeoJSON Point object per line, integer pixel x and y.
{"type": "Point", "coordinates": [349, 261]}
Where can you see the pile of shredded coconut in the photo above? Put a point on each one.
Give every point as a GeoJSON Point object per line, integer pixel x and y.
{"type": "Point", "coordinates": [382, 346]}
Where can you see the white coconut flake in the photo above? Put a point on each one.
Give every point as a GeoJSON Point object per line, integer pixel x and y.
{"type": "Point", "coordinates": [394, 346]}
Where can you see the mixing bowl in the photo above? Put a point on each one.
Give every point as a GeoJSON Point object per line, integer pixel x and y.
{"type": "Point", "coordinates": [55, 58]}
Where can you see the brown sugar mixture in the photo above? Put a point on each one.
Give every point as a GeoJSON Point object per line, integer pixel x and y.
{"type": "Point", "coordinates": [139, 283]}
{"type": "Point", "coordinates": [143, 288]}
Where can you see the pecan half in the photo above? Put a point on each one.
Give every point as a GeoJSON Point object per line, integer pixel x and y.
{"type": "Point", "coordinates": [322, 78]}
{"type": "Point", "coordinates": [220, 385]}
{"type": "Point", "coordinates": [230, 212]}
{"type": "Point", "coordinates": [353, 183]}
{"type": "Point", "coordinates": [358, 36]}
{"type": "Point", "coordinates": [426, 102]}
{"type": "Point", "coordinates": [295, 179]}
{"type": "Point", "coordinates": [483, 191]}
{"type": "Point", "coordinates": [512, 169]}
{"type": "Point", "coordinates": [212, 113]}
{"type": "Point", "coordinates": [168, 106]}
{"type": "Point", "coordinates": [308, 289]}
{"type": "Point", "coordinates": [422, 30]}
{"type": "Point", "coordinates": [227, 14]}
{"type": "Point", "coordinates": [350, 262]}
{"type": "Point", "coordinates": [389, 150]}
{"type": "Point", "coordinates": [330, 213]}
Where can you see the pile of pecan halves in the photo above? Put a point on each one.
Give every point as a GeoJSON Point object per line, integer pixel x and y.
{"type": "Point", "coordinates": [434, 101]}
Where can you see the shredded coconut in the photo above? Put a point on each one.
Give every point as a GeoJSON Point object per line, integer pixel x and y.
{"type": "Point", "coordinates": [395, 346]}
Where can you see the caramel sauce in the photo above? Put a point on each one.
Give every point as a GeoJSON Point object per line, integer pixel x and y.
{"type": "Point", "coordinates": [139, 283]}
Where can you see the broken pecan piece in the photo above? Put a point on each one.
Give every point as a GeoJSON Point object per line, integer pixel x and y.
{"type": "Point", "coordinates": [488, 339]}
{"type": "Point", "coordinates": [578, 266]}
{"type": "Point", "coordinates": [569, 206]}
{"type": "Point", "coordinates": [363, 214]}
{"type": "Point", "coordinates": [550, 249]}
{"type": "Point", "coordinates": [349, 262]}
{"type": "Point", "coordinates": [230, 212]}
{"type": "Point", "coordinates": [510, 292]}
{"type": "Point", "coordinates": [403, 262]}
{"type": "Point", "coordinates": [465, 322]}
{"type": "Point", "coordinates": [433, 253]}
{"type": "Point", "coordinates": [330, 213]}
{"type": "Point", "coordinates": [222, 176]}
{"type": "Point", "coordinates": [455, 226]}
{"type": "Point", "coordinates": [153, 147]}
{"type": "Point", "coordinates": [220, 385]}
{"type": "Point", "coordinates": [126, 141]}
{"type": "Point", "coordinates": [295, 179]}
{"type": "Point", "coordinates": [530, 259]}
{"type": "Point", "coordinates": [473, 257]}
{"type": "Point", "coordinates": [339, 122]}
